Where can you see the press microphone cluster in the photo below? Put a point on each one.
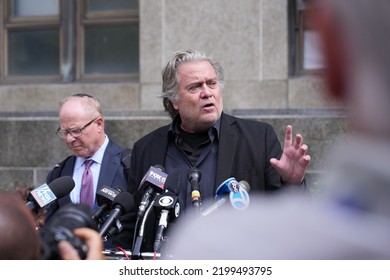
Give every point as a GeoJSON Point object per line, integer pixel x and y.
{"type": "Point", "coordinates": [162, 200]}
{"type": "Point", "coordinates": [42, 197]}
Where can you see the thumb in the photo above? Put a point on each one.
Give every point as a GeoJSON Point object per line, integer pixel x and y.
{"type": "Point", "coordinates": [274, 162]}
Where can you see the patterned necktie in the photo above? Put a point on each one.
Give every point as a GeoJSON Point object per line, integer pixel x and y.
{"type": "Point", "coordinates": [87, 194]}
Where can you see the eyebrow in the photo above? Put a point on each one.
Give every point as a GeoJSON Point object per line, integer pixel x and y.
{"type": "Point", "coordinates": [202, 82]}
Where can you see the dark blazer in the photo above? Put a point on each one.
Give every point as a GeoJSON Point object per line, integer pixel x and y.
{"type": "Point", "coordinates": [244, 151]}
{"type": "Point", "coordinates": [111, 174]}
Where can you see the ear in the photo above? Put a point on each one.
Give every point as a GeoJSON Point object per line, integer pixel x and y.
{"type": "Point", "coordinates": [175, 105]}
{"type": "Point", "coordinates": [334, 51]}
{"type": "Point", "coordinates": [100, 122]}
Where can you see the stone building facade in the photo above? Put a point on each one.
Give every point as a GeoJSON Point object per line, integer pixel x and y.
{"type": "Point", "coordinates": [251, 39]}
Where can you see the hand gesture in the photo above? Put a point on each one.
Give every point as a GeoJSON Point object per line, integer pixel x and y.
{"type": "Point", "coordinates": [294, 160]}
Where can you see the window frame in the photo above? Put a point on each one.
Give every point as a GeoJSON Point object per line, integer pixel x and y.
{"type": "Point", "coordinates": [10, 23]}
{"type": "Point", "coordinates": [72, 19]}
{"type": "Point", "coordinates": [86, 18]}
{"type": "Point", "coordinates": [299, 23]}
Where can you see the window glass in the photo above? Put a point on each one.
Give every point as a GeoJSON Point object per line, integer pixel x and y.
{"type": "Point", "coordinates": [35, 8]}
{"type": "Point", "coordinates": [111, 49]}
{"type": "Point", "coordinates": [69, 40]}
{"type": "Point", "coordinates": [33, 52]}
{"type": "Point", "coordinates": [305, 41]}
{"type": "Point", "coordinates": [312, 55]}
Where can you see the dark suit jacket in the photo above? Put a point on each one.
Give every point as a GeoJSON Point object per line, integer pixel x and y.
{"type": "Point", "coordinates": [111, 175]}
{"type": "Point", "coordinates": [244, 151]}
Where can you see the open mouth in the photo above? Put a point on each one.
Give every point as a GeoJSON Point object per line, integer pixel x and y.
{"type": "Point", "coordinates": [209, 105]}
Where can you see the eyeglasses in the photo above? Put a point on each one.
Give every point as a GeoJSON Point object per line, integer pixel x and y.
{"type": "Point", "coordinates": [76, 132]}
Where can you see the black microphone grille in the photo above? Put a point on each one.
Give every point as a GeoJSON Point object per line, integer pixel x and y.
{"type": "Point", "coordinates": [62, 186]}
{"type": "Point", "coordinates": [125, 200]}
{"type": "Point", "coordinates": [194, 174]}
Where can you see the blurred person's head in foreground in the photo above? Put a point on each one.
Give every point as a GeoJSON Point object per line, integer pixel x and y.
{"type": "Point", "coordinates": [356, 45]}
{"type": "Point", "coordinates": [18, 234]}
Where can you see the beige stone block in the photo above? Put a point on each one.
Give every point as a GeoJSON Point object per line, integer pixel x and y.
{"type": "Point", "coordinates": [150, 97]}
{"type": "Point", "coordinates": [255, 95]}
{"type": "Point", "coordinates": [309, 92]}
{"type": "Point", "coordinates": [151, 40]}
{"type": "Point", "coordinates": [45, 97]}
{"type": "Point", "coordinates": [227, 29]}
{"type": "Point", "coordinates": [274, 40]}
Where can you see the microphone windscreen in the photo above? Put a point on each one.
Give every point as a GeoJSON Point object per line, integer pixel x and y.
{"type": "Point", "coordinates": [106, 195]}
{"type": "Point", "coordinates": [194, 174]}
{"type": "Point", "coordinates": [62, 186]}
{"type": "Point", "coordinates": [125, 200]}
{"type": "Point", "coordinates": [245, 185]}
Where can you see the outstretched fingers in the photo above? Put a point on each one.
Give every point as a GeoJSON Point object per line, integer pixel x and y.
{"type": "Point", "coordinates": [288, 137]}
{"type": "Point", "coordinates": [303, 156]}
{"type": "Point", "coordinates": [298, 141]}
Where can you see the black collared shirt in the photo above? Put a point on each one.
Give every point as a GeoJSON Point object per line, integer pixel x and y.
{"type": "Point", "coordinates": [187, 150]}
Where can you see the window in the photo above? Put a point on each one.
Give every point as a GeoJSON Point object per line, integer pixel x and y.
{"type": "Point", "coordinates": [305, 41]}
{"type": "Point", "coordinates": [69, 40]}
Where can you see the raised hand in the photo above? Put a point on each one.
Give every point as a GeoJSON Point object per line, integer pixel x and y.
{"type": "Point", "coordinates": [293, 163]}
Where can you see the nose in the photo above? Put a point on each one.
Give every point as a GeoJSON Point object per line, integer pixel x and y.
{"type": "Point", "coordinates": [206, 92]}
{"type": "Point", "coordinates": [69, 138]}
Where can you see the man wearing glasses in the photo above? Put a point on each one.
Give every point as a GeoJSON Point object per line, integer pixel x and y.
{"type": "Point", "coordinates": [96, 161]}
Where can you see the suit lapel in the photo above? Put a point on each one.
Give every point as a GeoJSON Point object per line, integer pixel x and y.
{"type": "Point", "coordinates": [110, 164]}
{"type": "Point", "coordinates": [227, 141]}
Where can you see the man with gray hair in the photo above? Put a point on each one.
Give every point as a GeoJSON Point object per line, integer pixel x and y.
{"type": "Point", "coordinates": [218, 145]}
{"type": "Point", "coordinates": [351, 217]}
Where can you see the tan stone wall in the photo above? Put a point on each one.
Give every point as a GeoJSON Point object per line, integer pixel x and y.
{"type": "Point", "coordinates": [249, 38]}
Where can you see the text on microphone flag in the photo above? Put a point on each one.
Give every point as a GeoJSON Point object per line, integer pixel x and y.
{"type": "Point", "coordinates": [43, 195]}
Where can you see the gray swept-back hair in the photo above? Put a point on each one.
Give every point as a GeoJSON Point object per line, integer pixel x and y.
{"type": "Point", "coordinates": [170, 82]}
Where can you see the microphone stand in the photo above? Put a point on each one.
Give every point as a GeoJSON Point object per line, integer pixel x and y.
{"type": "Point", "coordinates": [140, 237]}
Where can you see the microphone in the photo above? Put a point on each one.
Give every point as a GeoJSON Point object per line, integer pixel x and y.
{"type": "Point", "coordinates": [238, 195]}
{"type": "Point", "coordinates": [104, 196]}
{"type": "Point", "coordinates": [168, 205]}
{"type": "Point", "coordinates": [153, 180]}
{"type": "Point", "coordinates": [244, 184]}
{"type": "Point", "coordinates": [194, 177]}
{"type": "Point", "coordinates": [41, 197]}
{"type": "Point", "coordinates": [121, 204]}
{"type": "Point", "coordinates": [240, 198]}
